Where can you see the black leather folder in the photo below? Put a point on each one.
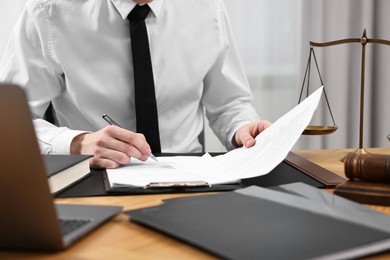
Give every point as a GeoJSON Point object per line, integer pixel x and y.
{"type": "Point", "coordinates": [234, 225]}
{"type": "Point", "coordinates": [293, 169]}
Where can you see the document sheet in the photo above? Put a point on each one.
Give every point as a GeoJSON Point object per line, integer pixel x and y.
{"type": "Point", "coordinates": [271, 147]}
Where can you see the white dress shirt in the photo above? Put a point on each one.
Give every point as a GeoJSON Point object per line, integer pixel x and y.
{"type": "Point", "coordinates": [77, 54]}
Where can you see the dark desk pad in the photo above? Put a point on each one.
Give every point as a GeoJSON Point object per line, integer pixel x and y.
{"type": "Point", "coordinates": [284, 173]}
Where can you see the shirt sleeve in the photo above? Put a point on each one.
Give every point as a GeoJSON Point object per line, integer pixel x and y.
{"type": "Point", "coordinates": [227, 96]}
{"type": "Point", "coordinates": [28, 61]}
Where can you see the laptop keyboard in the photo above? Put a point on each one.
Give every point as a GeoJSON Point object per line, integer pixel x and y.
{"type": "Point", "coordinates": [69, 225]}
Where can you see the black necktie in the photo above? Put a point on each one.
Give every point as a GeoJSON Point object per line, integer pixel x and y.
{"type": "Point", "coordinates": [145, 98]}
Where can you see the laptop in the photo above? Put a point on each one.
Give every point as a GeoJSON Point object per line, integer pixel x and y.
{"type": "Point", "coordinates": [29, 217]}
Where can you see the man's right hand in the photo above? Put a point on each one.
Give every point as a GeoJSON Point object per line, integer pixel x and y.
{"type": "Point", "coordinates": [111, 146]}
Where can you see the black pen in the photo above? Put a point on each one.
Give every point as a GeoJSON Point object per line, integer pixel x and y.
{"type": "Point", "coordinates": [112, 122]}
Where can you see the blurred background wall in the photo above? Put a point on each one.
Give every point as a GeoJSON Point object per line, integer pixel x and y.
{"type": "Point", "coordinates": [273, 38]}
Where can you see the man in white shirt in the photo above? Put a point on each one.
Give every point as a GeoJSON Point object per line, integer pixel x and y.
{"type": "Point", "coordinates": [77, 55]}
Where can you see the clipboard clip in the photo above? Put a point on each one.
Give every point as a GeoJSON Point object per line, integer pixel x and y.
{"type": "Point", "coordinates": [177, 184]}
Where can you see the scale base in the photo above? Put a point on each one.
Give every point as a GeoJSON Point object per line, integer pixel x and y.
{"type": "Point", "coordinates": [357, 151]}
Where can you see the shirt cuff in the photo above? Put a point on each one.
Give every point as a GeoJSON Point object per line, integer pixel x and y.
{"type": "Point", "coordinates": [63, 141]}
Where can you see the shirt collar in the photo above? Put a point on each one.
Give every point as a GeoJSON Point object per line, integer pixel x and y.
{"type": "Point", "coordinates": [124, 7]}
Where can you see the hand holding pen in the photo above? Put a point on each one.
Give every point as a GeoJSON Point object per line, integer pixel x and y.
{"type": "Point", "coordinates": [112, 122]}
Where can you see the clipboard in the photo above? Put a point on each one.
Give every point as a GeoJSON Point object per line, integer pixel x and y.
{"type": "Point", "coordinates": [170, 187]}
{"type": "Point", "coordinates": [167, 187]}
{"type": "Point", "coordinates": [94, 185]}
{"type": "Point", "coordinates": [293, 169]}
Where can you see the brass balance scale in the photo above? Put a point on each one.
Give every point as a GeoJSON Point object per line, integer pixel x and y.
{"type": "Point", "coordinates": [328, 129]}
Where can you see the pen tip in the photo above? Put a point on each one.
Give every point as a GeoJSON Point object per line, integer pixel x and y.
{"type": "Point", "coordinates": [153, 157]}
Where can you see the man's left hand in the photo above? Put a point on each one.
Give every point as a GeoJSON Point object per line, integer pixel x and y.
{"type": "Point", "coordinates": [245, 135]}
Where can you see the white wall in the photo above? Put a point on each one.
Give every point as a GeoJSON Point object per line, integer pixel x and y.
{"type": "Point", "coordinates": [9, 13]}
{"type": "Point", "coordinates": [268, 37]}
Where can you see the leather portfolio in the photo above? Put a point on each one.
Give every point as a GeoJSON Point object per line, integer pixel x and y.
{"type": "Point", "coordinates": [261, 223]}
{"type": "Point", "coordinates": [293, 169]}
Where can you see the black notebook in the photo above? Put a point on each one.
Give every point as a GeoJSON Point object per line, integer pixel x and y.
{"type": "Point", "coordinates": [259, 223]}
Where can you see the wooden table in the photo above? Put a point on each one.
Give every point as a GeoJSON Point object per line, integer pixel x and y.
{"type": "Point", "coordinates": [122, 239]}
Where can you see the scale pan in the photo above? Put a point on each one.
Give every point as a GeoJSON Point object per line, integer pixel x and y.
{"type": "Point", "coordinates": [319, 130]}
